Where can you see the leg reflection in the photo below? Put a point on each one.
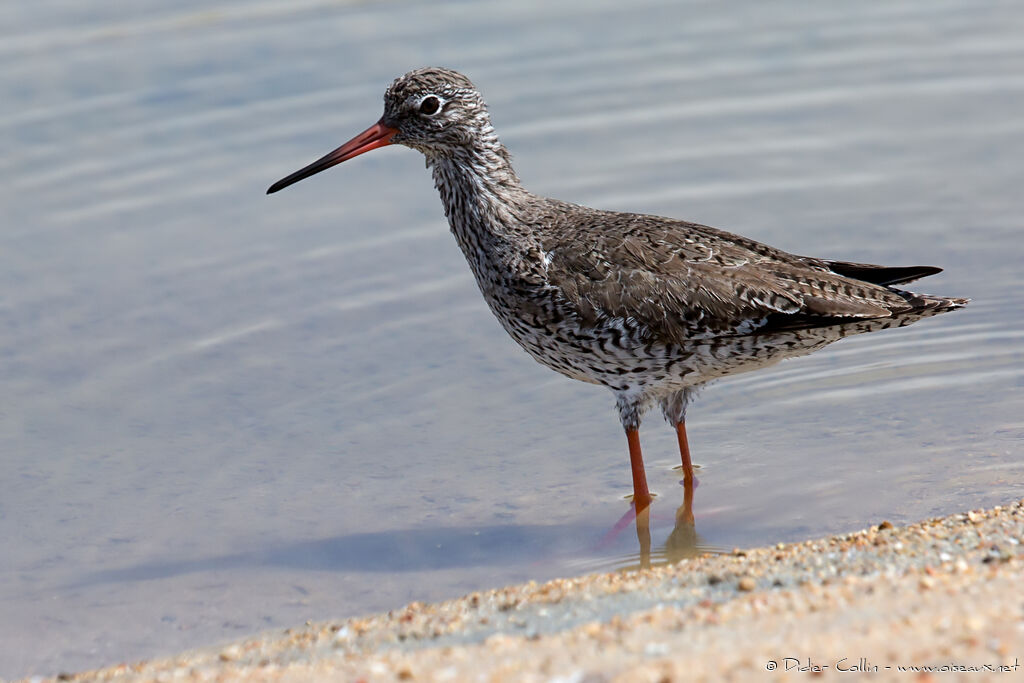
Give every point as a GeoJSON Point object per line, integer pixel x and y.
{"type": "Point", "coordinates": [643, 535]}
{"type": "Point", "coordinates": [682, 542]}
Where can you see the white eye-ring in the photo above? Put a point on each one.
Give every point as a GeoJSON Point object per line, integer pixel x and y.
{"type": "Point", "coordinates": [430, 105]}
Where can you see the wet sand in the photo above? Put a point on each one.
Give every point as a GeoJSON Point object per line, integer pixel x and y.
{"type": "Point", "coordinates": [943, 593]}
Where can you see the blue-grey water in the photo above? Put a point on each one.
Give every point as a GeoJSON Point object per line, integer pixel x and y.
{"type": "Point", "coordinates": [224, 412]}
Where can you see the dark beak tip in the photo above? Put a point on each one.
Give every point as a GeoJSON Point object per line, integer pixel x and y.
{"type": "Point", "coordinates": [281, 184]}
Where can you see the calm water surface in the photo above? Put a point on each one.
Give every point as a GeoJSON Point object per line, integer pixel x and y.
{"type": "Point", "coordinates": [224, 412]}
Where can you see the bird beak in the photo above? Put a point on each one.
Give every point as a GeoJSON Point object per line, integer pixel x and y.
{"type": "Point", "coordinates": [373, 137]}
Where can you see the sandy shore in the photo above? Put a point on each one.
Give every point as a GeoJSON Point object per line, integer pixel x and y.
{"type": "Point", "coordinates": [945, 593]}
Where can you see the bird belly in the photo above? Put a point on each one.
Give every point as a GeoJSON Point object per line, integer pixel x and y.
{"type": "Point", "coordinates": [613, 353]}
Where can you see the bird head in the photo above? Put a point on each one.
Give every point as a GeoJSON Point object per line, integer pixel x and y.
{"type": "Point", "coordinates": [434, 110]}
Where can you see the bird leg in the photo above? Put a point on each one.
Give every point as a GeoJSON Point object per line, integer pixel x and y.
{"type": "Point", "coordinates": [641, 496]}
{"type": "Point", "coordinates": [684, 451]}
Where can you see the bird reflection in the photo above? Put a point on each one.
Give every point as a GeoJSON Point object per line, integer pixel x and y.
{"type": "Point", "coordinates": [712, 359]}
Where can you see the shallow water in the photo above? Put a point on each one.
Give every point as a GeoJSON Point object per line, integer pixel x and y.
{"type": "Point", "coordinates": [225, 412]}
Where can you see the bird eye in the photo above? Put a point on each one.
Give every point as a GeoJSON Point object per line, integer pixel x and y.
{"type": "Point", "coordinates": [430, 105]}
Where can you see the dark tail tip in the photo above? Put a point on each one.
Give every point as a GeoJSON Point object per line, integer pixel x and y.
{"type": "Point", "coordinates": [882, 275]}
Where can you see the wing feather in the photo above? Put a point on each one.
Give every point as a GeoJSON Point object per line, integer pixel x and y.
{"type": "Point", "coordinates": [670, 274]}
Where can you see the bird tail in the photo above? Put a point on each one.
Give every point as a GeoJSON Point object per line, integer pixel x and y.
{"type": "Point", "coordinates": [918, 306]}
{"type": "Point", "coordinates": [890, 276]}
{"type": "Point", "coordinates": [931, 303]}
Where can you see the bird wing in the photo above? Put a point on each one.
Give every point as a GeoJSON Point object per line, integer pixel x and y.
{"type": "Point", "coordinates": [669, 274]}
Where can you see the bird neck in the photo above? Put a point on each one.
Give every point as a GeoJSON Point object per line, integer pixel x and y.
{"type": "Point", "coordinates": [481, 194]}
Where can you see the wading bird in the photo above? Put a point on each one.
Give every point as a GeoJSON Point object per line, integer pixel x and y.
{"type": "Point", "coordinates": [617, 299]}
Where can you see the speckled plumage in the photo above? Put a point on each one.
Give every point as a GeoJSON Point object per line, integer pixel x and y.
{"type": "Point", "coordinates": [617, 299]}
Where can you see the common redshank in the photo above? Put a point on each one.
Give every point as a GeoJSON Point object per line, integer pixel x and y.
{"type": "Point", "coordinates": [617, 299]}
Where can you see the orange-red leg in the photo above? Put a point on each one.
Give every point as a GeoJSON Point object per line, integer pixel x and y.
{"type": "Point", "coordinates": [641, 496]}
{"type": "Point", "coordinates": [684, 451]}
